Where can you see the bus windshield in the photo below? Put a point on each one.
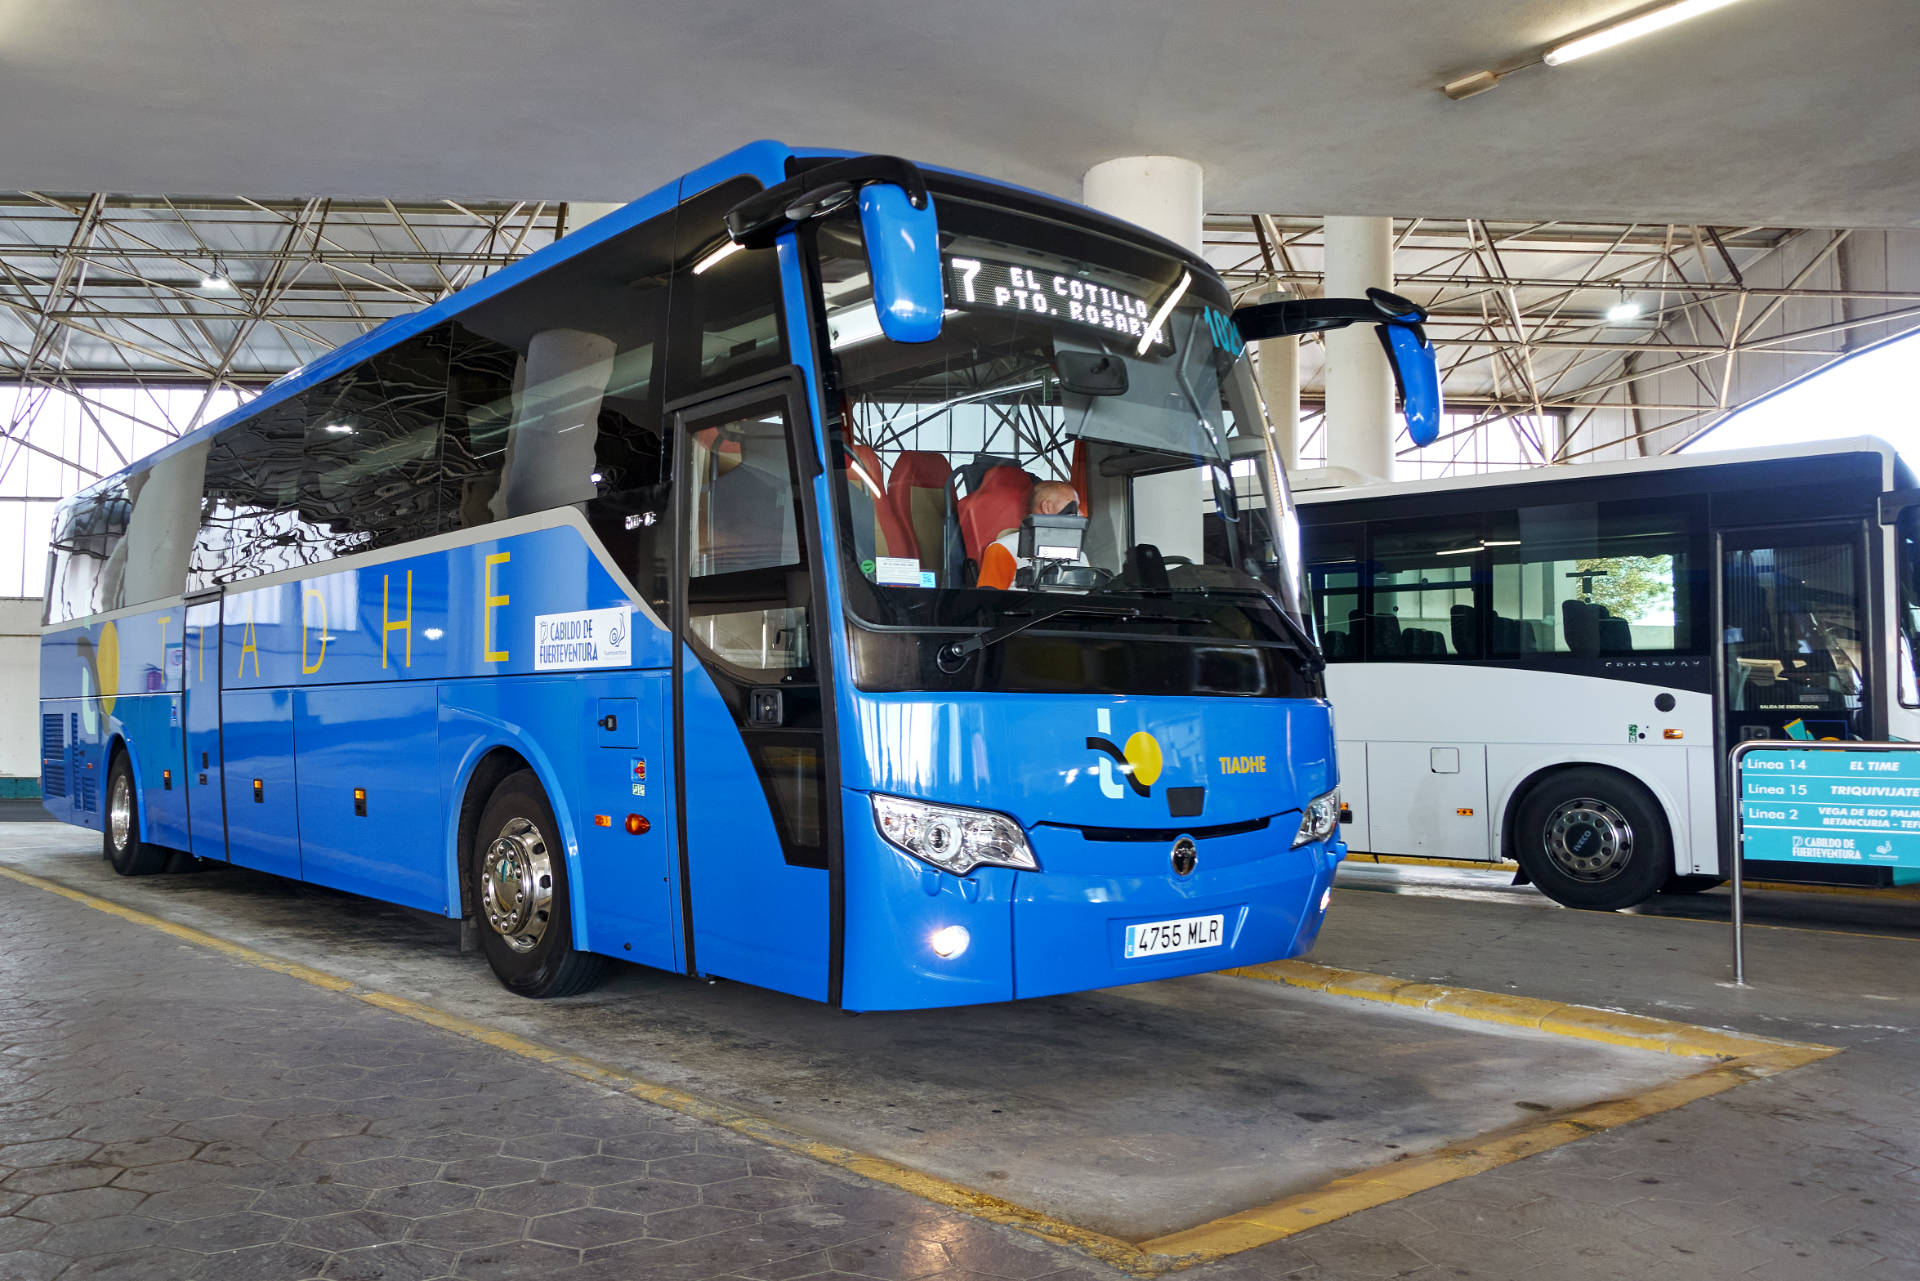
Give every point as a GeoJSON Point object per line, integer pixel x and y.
{"type": "Point", "coordinates": [1086, 426]}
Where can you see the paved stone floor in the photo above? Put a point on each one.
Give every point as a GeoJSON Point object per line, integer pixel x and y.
{"type": "Point", "coordinates": [168, 1112]}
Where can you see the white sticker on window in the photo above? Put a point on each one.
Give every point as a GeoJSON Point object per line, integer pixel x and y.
{"type": "Point", "coordinates": [587, 638]}
{"type": "Point", "coordinates": [896, 571]}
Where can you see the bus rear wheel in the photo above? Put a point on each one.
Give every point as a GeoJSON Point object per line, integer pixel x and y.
{"type": "Point", "coordinates": [1592, 840]}
{"type": "Point", "coordinates": [120, 834]}
{"type": "Point", "coordinates": [517, 878]}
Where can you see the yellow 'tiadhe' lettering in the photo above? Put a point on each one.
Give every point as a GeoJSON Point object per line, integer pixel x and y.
{"type": "Point", "coordinates": [405, 623]}
{"type": "Point", "coordinates": [248, 645]}
{"type": "Point", "coordinates": [1243, 764]}
{"type": "Point", "coordinates": [307, 594]}
{"type": "Point", "coordinates": [488, 605]}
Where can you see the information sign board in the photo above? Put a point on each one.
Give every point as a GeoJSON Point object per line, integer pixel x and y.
{"type": "Point", "coordinates": [1850, 803]}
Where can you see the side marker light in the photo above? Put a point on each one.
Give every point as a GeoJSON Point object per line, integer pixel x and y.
{"type": "Point", "coordinates": [603, 820]}
{"type": "Point", "coordinates": [1673, 733]}
{"type": "Point", "coordinates": [1464, 813]}
{"type": "Point", "coordinates": [950, 942]}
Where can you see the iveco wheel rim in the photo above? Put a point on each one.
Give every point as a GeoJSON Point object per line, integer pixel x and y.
{"type": "Point", "coordinates": [516, 885]}
{"type": "Point", "coordinates": [120, 811]}
{"type": "Point", "coordinates": [1589, 839]}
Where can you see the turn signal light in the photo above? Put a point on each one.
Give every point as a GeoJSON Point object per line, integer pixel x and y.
{"type": "Point", "coordinates": [637, 825]}
{"type": "Point", "coordinates": [603, 820]}
{"type": "Point", "coordinates": [1673, 733]}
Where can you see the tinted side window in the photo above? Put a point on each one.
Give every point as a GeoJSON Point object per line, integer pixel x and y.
{"type": "Point", "coordinates": [1333, 572]}
{"type": "Point", "coordinates": [727, 319]}
{"type": "Point", "coordinates": [249, 521]}
{"type": "Point", "coordinates": [372, 472]}
{"type": "Point", "coordinates": [1591, 580]}
{"type": "Point", "coordinates": [87, 553]}
{"type": "Point", "coordinates": [554, 398]}
{"type": "Point", "coordinates": [1422, 605]}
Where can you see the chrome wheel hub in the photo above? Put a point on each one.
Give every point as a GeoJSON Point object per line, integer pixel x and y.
{"type": "Point", "coordinates": [1589, 839]}
{"type": "Point", "coordinates": [516, 884]}
{"type": "Point", "coordinates": [120, 812]}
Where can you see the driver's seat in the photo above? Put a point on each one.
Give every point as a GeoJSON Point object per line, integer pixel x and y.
{"type": "Point", "coordinates": [999, 504]}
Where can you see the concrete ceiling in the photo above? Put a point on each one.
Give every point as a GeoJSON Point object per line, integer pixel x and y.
{"type": "Point", "coordinates": [1777, 112]}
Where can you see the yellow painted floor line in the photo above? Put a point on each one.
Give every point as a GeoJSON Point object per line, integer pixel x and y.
{"type": "Point", "coordinates": [1736, 1059]}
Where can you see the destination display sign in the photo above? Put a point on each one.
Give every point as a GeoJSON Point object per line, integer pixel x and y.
{"type": "Point", "coordinates": [1858, 805]}
{"type": "Point", "coordinates": [981, 284]}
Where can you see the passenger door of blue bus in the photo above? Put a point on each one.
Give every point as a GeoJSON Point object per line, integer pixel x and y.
{"type": "Point", "coordinates": [206, 805]}
{"type": "Point", "coordinates": [750, 725]}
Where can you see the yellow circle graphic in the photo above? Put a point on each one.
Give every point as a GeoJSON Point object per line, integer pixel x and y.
{"type": "Point", "coordinates": [106, 660]}
{"type": "Point", "coordinates": [1143, 753]}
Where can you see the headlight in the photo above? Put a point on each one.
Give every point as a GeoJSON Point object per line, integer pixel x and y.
{"type": "Point", "coordinates": [951, 838]}
{"type": "Point", "coordinates": [1320, 819]}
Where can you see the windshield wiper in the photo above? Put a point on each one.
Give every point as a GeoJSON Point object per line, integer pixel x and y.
{"type": "Point", "coordinates": [953, 656]}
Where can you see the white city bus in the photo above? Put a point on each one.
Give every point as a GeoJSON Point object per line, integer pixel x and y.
{"type": "Point", "coordinates": [1551, 666]}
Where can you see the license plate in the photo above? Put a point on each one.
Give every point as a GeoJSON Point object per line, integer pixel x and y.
{"type": "Point", "coordinates": [1157, 938]}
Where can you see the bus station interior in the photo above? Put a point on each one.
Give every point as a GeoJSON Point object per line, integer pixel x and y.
{"type": "Point", "coordinates": [218, 1072]}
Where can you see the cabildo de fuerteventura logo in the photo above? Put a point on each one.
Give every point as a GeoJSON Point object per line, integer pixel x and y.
{"type": "Point", "coordinates": [1138, 762]}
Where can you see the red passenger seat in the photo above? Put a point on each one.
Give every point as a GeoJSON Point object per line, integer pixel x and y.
{"type": "Point", "coordinates": [891, 538]}
{"type": "Point", "coordinates": [917, 492]}
{"type": "Point", "coordinates": [998, 505]}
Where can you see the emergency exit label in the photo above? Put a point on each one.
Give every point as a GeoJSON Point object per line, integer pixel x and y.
{"type": "Point", "coordinates": [1831, 804]}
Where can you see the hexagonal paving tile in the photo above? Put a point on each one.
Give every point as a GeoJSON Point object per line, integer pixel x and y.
{"type": "Point", "coordinates": [311, 1200]}
{"type": "Point", "coordinates": [234, 1231]}
{"type": "Point", "coordinates": [515, 1260]}
{"type": "Point", "coordinates": [86, 1203]}
{"type": "Point", "coordinates": [597, 1171]}
{"type": "Point", "coordinates": [353, 1230]}
{"type": "Point", "coordinates": [453, 1146]}
{"type": "Point", "coordinates": [696, 1221]}
{"type": "Point", "coordinates": [536, 1197]}
{"type": "Point", "coordinates": [465, 1229]}
{"type": "Point", "coordinates": [59, 1178]}
{"type": "Point", "coordinates": [647, 1196]}
{"type": "Point", "coordinates": [41, 1152]}
{"type": "Point", "coordinates": [418, 1200]}
{"type": "Point", "coordinates": [699, 1168]}
{"type": "Point", "coordinates": [588, 1227]}
{"type": "Point", "coordinates": [280, 1261]}
{"type": "Point", "coordinates": [200, 1202]}
{"type": "Point", "coordinates": [350, 1148]}
{"type": "Point", "coordinates": [755, 1193]}
{"type": "Point", "coordinates": [404, 1261]}
{"type": "Point", "coordinates": [649, 1145]}
{"type": "Point", "coordinates": [149, 1150]}
{"type": "Point", "coordinates": [388, 1171]}
{"type": "Point", "coordinates": [491, 1171]}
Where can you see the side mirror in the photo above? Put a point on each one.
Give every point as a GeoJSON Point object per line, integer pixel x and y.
{"type": "Point", "coordinates": [903, 259]}
{"type": "Point", "coordinates": [1399, 324]}
{"type": "Point", "coordinates": [1090, 373]}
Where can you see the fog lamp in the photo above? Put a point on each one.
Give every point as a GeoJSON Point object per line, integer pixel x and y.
{"type": "Point", "coordinates": [950, 942]}
{"type": "Point", "coordinates": [1326, 898]}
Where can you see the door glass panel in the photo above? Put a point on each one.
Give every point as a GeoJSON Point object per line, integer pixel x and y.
{"type": "Point", "coordinates": [1333, 572]}
{"type": "Point", "coordinates": [1794, 626]}
{"type": "Point", "coordinates": [747, 587]}
{"type": "Point", "coordinates": [1908, 610]}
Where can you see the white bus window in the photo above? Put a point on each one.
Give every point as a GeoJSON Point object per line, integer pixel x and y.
{"type": "Point", "coordinates": [1333, 570]}
{"type": "Point", "coordinates": [1423, 595]}
{"type": "Point", "coordinates": [1582, 580]}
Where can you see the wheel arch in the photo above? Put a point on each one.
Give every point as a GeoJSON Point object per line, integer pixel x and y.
{"type": "Point", "coordinates": [488, 760]}
{"type": "Point", "coordinates": [119, 745]}
{"type": "Point", "coordinates": [1509, 808]}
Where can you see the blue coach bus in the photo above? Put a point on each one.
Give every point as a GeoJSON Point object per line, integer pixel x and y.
{"type": "Point", "coordinates": [867, 582]}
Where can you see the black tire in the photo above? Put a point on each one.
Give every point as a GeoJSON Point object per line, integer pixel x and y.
{"type": "Point", "coordinates": [517, 879]}
{"type": "Point", "coordinates": [1592, 839]}
{"type": "Point", "coordinates": [120, 825]}
{"type": "Point", "coordinates": [1689, 883]}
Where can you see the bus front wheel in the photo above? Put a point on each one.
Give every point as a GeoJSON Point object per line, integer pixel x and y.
{"type": "Point", "coordinates": [517, 875]}
{"type": "Point", "coordinates": [1592, 840]}
{"type": "Point", "coordinates": [120, 834]}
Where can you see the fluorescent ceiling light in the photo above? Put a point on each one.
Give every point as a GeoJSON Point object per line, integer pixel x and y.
{"type": "Point", "coordinates": [726, 250]}
{"type": "Point", "coordinates": [1631, 29]}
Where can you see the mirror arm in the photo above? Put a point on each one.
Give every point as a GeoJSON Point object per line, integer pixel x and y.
{"type": "Point", "coordinates": [1315, 315]}
{"type": "Point", "coordinates": [755, 222]}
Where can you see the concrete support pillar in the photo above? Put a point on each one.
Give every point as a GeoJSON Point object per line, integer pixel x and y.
{"type": "Point", "coordinates": [1279, 366]}
{"type": "Point", "coordinates": [1360, 424]}
{"type": "Point", "coordinates": [1162, 194]}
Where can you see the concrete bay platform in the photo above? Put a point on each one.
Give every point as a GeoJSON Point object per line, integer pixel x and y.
{"type": "Point", "coordinates": [1132, 1113]}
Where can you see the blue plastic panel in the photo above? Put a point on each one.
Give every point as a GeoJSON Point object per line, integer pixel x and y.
{"type": "Point", "coordinates": [382, 739]}
{"type": "Point", "coordinates": [257, 730]}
